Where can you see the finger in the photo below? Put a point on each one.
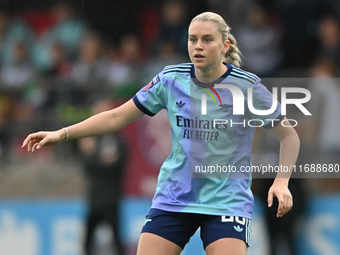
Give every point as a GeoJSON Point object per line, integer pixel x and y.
{"type": "Point", "coordinates": [288, 202]}
{"type": "Point", "coordinates": [38, 146]}
{"type": "Point", "coordinates": [281, 206]}
{"type": "Point", "coordinates": [26, 141]}
{"type": "Point", "coordinates": [42, 143]}
{"type": "Point", "coordinates": [284, 211]}
{"type": "Point", "coordinates": [270, 198]}
{"type": "Point", "coordinates": [30, 145]}
{"type": "Point", "coordinates": [35, 147]}
{"type": "Point", "coordinates": [286, 206]}
{"type": "Point", "coordinates": [291, 202]}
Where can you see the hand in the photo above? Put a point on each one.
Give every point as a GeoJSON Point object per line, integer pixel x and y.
{"type": "Point", "coordinates": [35, 141]}
{"type": "Point", "coordinates": [280, 190]}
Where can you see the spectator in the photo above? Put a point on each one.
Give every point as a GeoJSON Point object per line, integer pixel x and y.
{"type": "Point", "coordinates": [173, 26]}
{"type": "Point", "coordinates": [103, 160]}
{"type": "Point", "coordinates": [56, 79]}
{"type": "Point", "coordinates": [299, 19]}
{"type": "Point", "coordinates": [329, 36]}
{"type": "Point", "coordinates": [18, 81]}
{"type": "Point", "coordinates": [259, 40]}
{"type": "Point", "coordinates": [320, 132]}
{"type": "Point", "coordinates": [68, 29]}
{"type": "Point", "coordinates": [60, 65]}
{"type": "Point", "coordinates": [168, 54]}
{"type": "Point", "coordinates": [19, 71]}
{"type": "Point", "coordinates": [234, 11]}
{"type": "Point", "coordinates": [124, 69]}
{"type": "Point", "coordinates": [12, 31]}
{"type": "Point", "coordinates": [325, 106]}
{"type": "Point", "coordinates": [90, 71]}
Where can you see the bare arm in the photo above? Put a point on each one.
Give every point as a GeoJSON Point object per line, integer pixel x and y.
{"type": "Point", "coordinates": [289, 150]}
{"type": "Point", "coordinates": [102, 123]}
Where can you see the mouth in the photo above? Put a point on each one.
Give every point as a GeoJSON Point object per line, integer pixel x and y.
{"type": "Point", "coordinates": [199, 57]}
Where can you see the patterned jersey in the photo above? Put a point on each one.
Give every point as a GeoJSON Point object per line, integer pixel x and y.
{"type": "Point", "coordinates": [211, 145]}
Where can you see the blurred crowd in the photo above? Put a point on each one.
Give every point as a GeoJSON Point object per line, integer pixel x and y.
{"type": "Point", "coordinates": [58, 60]}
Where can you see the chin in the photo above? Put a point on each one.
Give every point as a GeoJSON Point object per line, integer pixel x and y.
{"type": "Point", "coordinates": [199, 65]}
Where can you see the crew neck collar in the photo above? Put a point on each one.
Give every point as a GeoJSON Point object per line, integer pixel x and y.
{"type": "Point", "coordinates": [212, 84]}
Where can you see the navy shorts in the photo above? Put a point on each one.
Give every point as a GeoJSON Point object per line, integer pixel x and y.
{"type": "Point", "coordinates": [178, 227]}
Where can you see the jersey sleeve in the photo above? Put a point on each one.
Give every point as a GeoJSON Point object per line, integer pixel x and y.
{"type": "Point", "coordinates": [263, 100]}
{"type": "Point", "coordinates": [150, 99]}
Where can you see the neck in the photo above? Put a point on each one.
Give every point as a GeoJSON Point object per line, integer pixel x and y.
{"type": "Point", "coordinates": [209, 75]}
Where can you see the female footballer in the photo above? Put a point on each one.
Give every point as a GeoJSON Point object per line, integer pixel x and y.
{"type": "Point", "coordinates": [205, 133]}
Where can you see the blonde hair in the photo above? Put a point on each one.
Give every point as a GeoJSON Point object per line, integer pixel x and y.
{"type": "Point", "coordinates": [233, 55]}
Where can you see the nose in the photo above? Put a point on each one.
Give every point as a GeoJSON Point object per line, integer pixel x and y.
{"type": "Point", "coordinates": [198, 45]}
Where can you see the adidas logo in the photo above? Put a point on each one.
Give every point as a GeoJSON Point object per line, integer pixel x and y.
{"type": "Point", "coordinates": [238, 228]}
{"type": "Point", "coordinates": [180, 104]}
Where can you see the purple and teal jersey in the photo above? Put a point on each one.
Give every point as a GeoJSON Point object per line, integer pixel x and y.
{"type": "Point", "coordinates": [208, 144]}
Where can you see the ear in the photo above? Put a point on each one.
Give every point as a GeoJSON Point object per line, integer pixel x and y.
{"type": "Point", "coordinates": [226, 47]}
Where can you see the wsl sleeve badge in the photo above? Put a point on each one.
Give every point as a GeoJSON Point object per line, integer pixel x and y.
{"type": "Point", "coordinates": [154, 81]}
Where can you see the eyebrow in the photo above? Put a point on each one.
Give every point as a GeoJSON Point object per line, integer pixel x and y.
{"type": "Point", "coordinates": [203, 35]}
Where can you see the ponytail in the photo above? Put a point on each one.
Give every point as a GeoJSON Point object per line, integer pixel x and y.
{"type": "Point", "coordinates": [233, 55]}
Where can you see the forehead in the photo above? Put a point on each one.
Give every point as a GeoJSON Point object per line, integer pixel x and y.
{"type": "Point", "coordinates": [199, 28]}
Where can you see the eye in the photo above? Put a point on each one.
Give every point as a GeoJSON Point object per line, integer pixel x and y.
{"type": "Point", "coordinates": [208, 39]}
{"type": "Point", "coordinates": [192, 40]}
